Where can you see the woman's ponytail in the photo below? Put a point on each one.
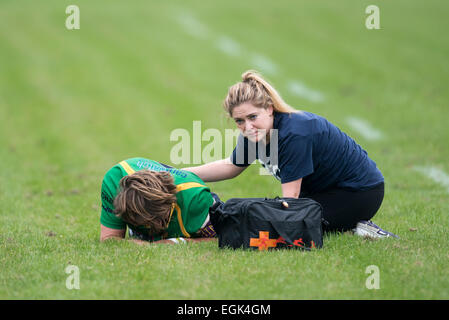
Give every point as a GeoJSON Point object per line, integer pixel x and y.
{"type": "Point", "coordinates": [256, 90]}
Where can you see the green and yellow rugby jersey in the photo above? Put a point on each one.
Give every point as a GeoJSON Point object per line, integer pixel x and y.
{"type": "Point", "coordinates": [193, 198]}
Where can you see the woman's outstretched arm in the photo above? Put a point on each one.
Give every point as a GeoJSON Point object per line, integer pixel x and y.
{"type": "Point", "coordinates": [216, 170]}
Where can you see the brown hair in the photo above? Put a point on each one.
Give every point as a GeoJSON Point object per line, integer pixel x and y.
{"type": "Point", "coordinates": [146, 198]}
{"type": "Point", "coordinates": [257, 91]}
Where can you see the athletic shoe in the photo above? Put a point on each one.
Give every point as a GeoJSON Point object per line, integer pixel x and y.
{"type": "Point", "coordinates": [371, 230]}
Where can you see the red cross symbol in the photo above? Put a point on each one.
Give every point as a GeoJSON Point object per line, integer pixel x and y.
{"type": "Point", "coordinates": [263, 242]}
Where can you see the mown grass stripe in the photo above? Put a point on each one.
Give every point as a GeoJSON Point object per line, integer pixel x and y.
{"type": "Point", "coordinates": [434, 173]}
{"type": "Point", "coordinates": [301, 90]}
{"type": "Point", "coordinates": [364, 128]}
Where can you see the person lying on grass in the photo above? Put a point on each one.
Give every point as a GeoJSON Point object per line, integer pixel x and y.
{"type": "Point", "coordinates": [157, 203]}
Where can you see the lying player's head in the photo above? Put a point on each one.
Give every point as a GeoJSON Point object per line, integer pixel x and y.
{"type": "Point", "coordinates": [146, 199]}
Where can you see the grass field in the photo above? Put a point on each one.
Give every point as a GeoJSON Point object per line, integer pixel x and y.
{"type": "Point", "coordinates": [75, 102]}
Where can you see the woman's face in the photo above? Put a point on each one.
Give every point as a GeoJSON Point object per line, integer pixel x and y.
{"type": "Point", "coordinates": [254, 123]}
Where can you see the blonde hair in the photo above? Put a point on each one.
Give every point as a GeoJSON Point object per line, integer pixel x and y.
{"type": "Point", "coordinates": [257, 91]}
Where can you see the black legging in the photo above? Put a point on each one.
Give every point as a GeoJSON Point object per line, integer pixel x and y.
{"type": "Point", "coordinates": [343, 208]}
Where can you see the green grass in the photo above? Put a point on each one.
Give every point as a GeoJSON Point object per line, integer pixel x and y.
{"type": "Point", "coordinates": [74, 103]}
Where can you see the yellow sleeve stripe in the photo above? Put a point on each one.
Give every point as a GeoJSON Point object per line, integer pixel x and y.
{"type": "Point", "coordinates": [127, 168]}
{"type": "Point", "coordinates": [188, 185]}
{"type": "Point", "coordinates": [181, 224]}
{"type": "Point", "coordinates": [181, 187]}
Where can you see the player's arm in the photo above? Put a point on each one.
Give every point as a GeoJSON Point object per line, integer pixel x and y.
{"type": "Point", "coordinates": [184, 240]}
{"type": "Point", "coordinates": [173, 241]}
{"type": "Point", "coordinates": [216, 170]}
{"type": "Point", "coordinates": [108, 233]}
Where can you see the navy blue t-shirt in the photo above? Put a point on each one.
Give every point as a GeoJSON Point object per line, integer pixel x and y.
{"type": "Point", "coordinates": [312, 148]}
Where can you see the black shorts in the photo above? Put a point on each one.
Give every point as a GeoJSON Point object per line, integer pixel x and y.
{"type": "Point", "coordinates": [343, 208]}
